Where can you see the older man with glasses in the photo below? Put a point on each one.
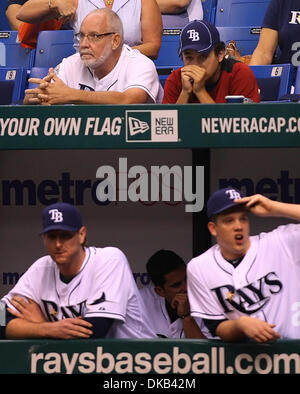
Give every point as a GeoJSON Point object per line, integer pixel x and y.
{"type": "Point", "coordinates": [105, 71]}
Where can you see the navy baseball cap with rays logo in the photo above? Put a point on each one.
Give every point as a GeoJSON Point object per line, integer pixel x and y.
{"type": "Point", "coordinates": [222, 199]}
{"type": "Point", "coordinates": [61, 216]}
{"type": "Point", "coordinates": [201, 36]}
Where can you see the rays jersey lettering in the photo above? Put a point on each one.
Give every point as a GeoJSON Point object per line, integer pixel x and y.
{"type": "Point", "coordinates": [56, 312]}
{"type": "Point", "coordinates": [85, 87]}
{"type": "Point", "coordinates": [250, 298]}
{"type": "Point", "coordinates": [295, 18]}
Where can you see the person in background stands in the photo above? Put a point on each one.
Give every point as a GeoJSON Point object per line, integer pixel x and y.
{"type": "Point", "coordinates": [141, 18]}
{"type": "Point", "coordinates": [280, 28]}
{"type": "Point", "coordinates": [12, 8]}
{"type": "Point", "coordinates": [105, 71]}
{"type": "Point", "coordinates": [207, 77]}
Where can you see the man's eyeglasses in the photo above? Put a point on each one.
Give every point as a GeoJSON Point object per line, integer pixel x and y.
{"type": "Point", "coordinates": [92, 37]}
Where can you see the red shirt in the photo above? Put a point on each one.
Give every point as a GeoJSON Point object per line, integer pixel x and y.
{"type": "Point", "coordinates": [236, 79]}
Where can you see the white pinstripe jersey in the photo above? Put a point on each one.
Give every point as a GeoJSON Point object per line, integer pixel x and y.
{"type": "Point", "coordinates": [104, 287]}
{"type": "Point", "coordinates": [265, 285]}
{"type": "Point", "coordinates": [157, 311]}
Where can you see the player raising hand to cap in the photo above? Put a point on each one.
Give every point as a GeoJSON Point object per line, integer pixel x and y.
{"type": "Point", "coordinates": [247, 286]}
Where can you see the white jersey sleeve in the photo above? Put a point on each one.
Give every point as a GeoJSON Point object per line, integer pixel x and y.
{"type": "Point", "coordinates": [289, 235]}
{"type": "Point", "coordinates": [29, 284]}
{"type": "Point", "coordinates": [109, 290]}
{"type": "Point", "coordinates": [203, 302]}
{"type": "Point", "coordinates": [155, 306]}
{"type": "Point", "coordinates": [104, 287]}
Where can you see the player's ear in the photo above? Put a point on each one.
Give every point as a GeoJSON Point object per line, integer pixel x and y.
{"type": "Point", "coordinates": [82, 235]}
{"type": "Point", "coordinates": [212, 228]}
{"type": "Point", "coordinates": [44, 239]}
{"type": "Point", "coordinates": [159, 290]}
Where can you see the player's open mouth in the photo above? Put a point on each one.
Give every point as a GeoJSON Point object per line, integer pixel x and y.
{"type": "Point", "coordinates": [239, 237]}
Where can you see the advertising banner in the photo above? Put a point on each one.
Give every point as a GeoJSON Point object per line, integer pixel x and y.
{"type": "Point", "coordinates": [187, 361]}
{"type": "Point", "coordinates": [150, 126]}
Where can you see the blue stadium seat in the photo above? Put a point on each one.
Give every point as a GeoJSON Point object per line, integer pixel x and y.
{"type": "Point", "coordinates": [37, 72]}
{"type": "Point", "coordinates": [6, 92]}
{"type": "Point", "coordinates": [4, 25]}
{"type": "Point", "coordinates": [297, 81]}
{"type": "Point", "coordinates": [53, 46]}
{"type": "Point", "coordinates": [274, 80]}
{"type": "Point", "coordinates": [240, 12]}
{"type": "Point", "coordinates": [168, 54]}
{"type": "Point", "coordinates": [246, 38]}
{"type": "Point", "coordinates": [11, 52]}
{"type": "Point", "coordinates": [19, 76]}
{"type": "Point", "coordinates": [209, 10]}
{"type": "Point", "coordinates": [168, 58]}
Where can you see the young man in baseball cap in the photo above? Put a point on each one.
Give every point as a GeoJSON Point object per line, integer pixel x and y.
{"type": "Point", "coordinates": [75, 291]}
{"type": "Point", "coordinates": [207, 77]}
{"type": "Point", "coordinates": [247, 286]}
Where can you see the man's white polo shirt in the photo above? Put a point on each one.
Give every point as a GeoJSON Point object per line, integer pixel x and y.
{"type": "Point", "coordinates": [133, 70]}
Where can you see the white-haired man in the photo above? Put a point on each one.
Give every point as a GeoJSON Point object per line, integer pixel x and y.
{"type": "Point", "coordinates": [105, 71]}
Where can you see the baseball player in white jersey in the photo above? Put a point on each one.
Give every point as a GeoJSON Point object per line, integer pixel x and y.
{"type": "Point", "coordinates": [248, 286]}
{"type": "Point", "coordinates": [105, 71]}
{"type": "Point", "coordinates": [75, 291]}
{"type": "Point", "coordinates": [166, 301]}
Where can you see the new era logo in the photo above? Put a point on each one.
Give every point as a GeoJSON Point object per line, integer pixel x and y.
{"type": "Point", "coordinates": [152, 126]}
{"type": "Point", "coordinates": [56, 216]}
{"type": "Point", "coordinates": [137, 126]}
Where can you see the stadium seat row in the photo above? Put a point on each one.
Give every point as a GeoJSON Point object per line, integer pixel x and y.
{"type": "Point", "coordinates": [18, 63]}
{"type": "Point", "coordinates": [220, 12]}
{"type": "Point", "coordinates": [235, 12]}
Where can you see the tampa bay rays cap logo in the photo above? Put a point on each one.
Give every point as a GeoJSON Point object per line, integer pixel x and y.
{"type": "Point", "coordinates": [222, 200]}
{"type": "Point", "coordinates": [193, 35]}
{"type": "Point", "coordinates": [61, 216]}
{"type": "Point", "coordinates": [56, 216]}
{"type": "Point", "coordinates": [198, 35]}
{"type": "Point", "coordinates": [233, 194]}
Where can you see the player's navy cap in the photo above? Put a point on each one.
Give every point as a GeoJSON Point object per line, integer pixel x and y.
{"type": "Point", "coordinates": [222, 199]}
{"type": "Point", "coordinates": [61, 216]}
{"type": "Point", "coordinates": [201, 36]}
